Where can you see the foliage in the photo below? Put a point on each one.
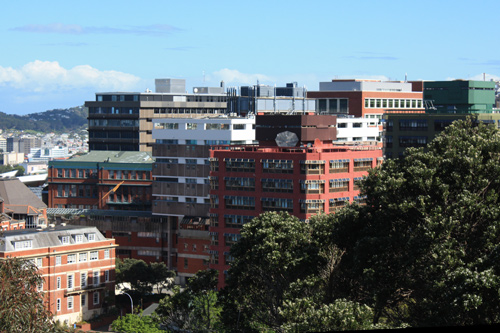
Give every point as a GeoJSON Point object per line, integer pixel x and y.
{"type": "Point", "coordinates": [425, 249]}
{"type": "Point", "coordinates": [194, 308]}
{"type": "Point", "coordinates": [8, 167]}
{"type": "Point", "coordinates": [133, 323]}
{"type": "Point", "coordinates": [275, 250]}
{"type": "Point", "coordinates": [141, 276]}
{"type": "Point", "coordinates": [22, 307]}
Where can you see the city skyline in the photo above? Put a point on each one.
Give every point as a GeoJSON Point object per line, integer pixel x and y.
{"type": "Point", "coordinates": [59, 56]}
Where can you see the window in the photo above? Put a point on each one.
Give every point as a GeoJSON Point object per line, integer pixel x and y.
{"type": "Point", "coordinates": [96, 278]}
{"type": "Point", "coordinates": [82, 257]}
{"type": "Point", "coordinates": [91, 237]}
{"type": "Point", "coordinates": [339, 185]}
{"type": "Point", "coordinates": [362, 164]}
{"type": "Point", "coordinates": [83, 280]}
{"type": "Point", "coordinates": [106, 276]}
{"type": "Point", "coordinates": [71, 258]}
{"type": "Point", "coordinates": [337, 166]}
{"type": "Point", "coordinates": [70, 302]}
{"type": "Point", "coordinates": [58, 283]}
{"type": "Point", "coordinates": [65, 239]}
{"type": "Point", "coordinates": [94, 255]}
{"type": "Point", "coordinates": [27, 244]}
{"type": "Point", "coordinates": [70, 281]}
{"type": "Point", "coordinates": [58, 304]}
{"type": "Point", "coordinates": [78, 238]}
{"type": "Point", "coordinates": [96, 298]}
{"type": "Point", "coordinates": [106, 254]}
{"type": "Point", "coordinates": [58, 260]}
{"type": "Point", "coordinates": [83, 298]}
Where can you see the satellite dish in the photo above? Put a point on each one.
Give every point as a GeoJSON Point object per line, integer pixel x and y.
{"type": "Point", "coordinates": [286, 139]}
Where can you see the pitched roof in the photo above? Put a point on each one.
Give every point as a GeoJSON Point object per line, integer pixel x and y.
{"type": "Point", "coordinates": [14, 192]}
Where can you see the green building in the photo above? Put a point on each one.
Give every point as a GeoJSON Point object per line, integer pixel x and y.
{"type": "Point", "coordinates": [459, 96]}
{"type": "Point", "coordinates": [445, 101]}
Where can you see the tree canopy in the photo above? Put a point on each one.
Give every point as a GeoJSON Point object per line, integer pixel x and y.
{"type": "Point", "coordinates": [423, 251]}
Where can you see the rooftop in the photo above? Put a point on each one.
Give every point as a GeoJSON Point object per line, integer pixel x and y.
{"type": "Point", "coordinates": [114, 157]}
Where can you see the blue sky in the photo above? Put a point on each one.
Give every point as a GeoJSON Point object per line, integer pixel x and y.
{"type": "Point", "coordinates": [57, 54]}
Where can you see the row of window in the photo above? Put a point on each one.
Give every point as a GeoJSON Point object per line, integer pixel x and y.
{"type": "Point", "coordinates": [83, 300]}
{"type": "Point", "coordinates": [83, 257]}
{"type": "Point", "coordinates": [286, 166]}
{"type": "Point", "coordinates": [393, 103]}
{"type": "Point", "coordinates": [112, 174]}
{"type": "Point", "coordinates": [199, 126]}
{"type": "Point", "coordinates": [284, 185]}
{"type": "Point", "coordinates": [86, 280]}
{"type": "Point", "coordinates": [407, 141]}
{"type": "Point", "coordinates": [113, 123]}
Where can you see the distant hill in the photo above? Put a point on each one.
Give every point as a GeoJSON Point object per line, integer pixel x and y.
{"type": "Point", "coordinates": [57, 120]}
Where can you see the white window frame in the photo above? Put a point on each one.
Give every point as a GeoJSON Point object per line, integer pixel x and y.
{"type": "Point", "coordinates": [79, 238]}
{"type": "Point", "coordinates": [91, 237]}
{"type": "Point", "coordinates": [96, 277]}
{"type": "Point", "coordinates": [65, 239]}
{"type": "Point", "coordinates": [58, 260]}
{"type": "Point", "coordinates": [94, 255]}
{"type": "Point", "coordinates": [71, 258]}
{"type": "Point", "coordinates": [83, 279]}
{"type": "Point", "coordinates": [70, 302]}
{"type": "Point", "coordinates": [70, 281]}
{"type": "Point", "coordinates": [82, 257]}
{"type": "Point", "coordinates": [58, 305]}
{"type": "Point", "coordinates": [95, 297]}
{"type": "Point", "coordinates": [58, 282]}
{"type": "Point", "coordinates": [106, 253]}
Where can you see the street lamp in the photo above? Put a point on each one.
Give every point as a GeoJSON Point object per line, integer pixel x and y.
{"type": "Point", "coordinates": [131, 302]}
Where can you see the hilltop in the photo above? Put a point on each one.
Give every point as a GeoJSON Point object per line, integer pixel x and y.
{"type": "Point", "coordinates": [57, 120]}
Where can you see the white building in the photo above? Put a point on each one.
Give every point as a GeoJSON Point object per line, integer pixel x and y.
{"type": "Point", "coordinates": [362, 130]}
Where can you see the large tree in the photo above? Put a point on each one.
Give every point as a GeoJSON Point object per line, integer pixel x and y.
{"type": "Point", "coordinates": [425, 249]}
{"type": "Point", "coordinates": [22, 306]}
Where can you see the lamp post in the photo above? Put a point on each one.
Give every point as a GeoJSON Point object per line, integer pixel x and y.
{"type": "Point", "coordinates": [131, 302]}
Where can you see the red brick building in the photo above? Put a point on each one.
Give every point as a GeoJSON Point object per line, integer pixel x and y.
{"type": "Point", "coordinates": [77, 264]}
{"type": "Point", "coordinates": [367, 98]}
{"type": "Point", "coordinates": [110, 180]}
{"type": "Point", "coordinates": [300, 177]}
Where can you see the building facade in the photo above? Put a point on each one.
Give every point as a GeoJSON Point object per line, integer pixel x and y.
{"type": "Point", "coordinates": [304, 175]}
{"type": "Point", "coordinates": [367, 98]}
{"type": "Point", "coordinates": [124, 121]}
{"type": "Point", "coordinates": [76, 263]}
{"type": "Point", "coordinates": [181, 181]}
{"type": "Point", "coordinates": [109, 180]}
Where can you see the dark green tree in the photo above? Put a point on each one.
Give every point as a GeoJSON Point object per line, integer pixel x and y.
{"type": "Point", "coordinates": [275, 250]}
{"type": "Point", "coordinates": [425, 249]}
{"type": "Point", "coordinates": [134, 323]}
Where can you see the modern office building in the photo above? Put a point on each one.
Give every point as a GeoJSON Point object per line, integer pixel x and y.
{"type": "Point", "coordinates": [367, 98]}
{"type": "Point", "coordinates": [460, 96]}
{"type": "Point", "coordinates": [181, 180]}
{"type": "Point", "coordinates": [76, 263]}
{"type": "Point", "coordinates": [446, 101]}
{"type": "Point", "coordinates": [124, 121]}
{"type": "Point", "coordinates": [264, 99]}
{"type": "Point", "coordinates": [295, 168]}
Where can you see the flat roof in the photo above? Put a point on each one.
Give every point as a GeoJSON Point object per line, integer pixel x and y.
{"type": "Point", "coordinates": [114, 157]}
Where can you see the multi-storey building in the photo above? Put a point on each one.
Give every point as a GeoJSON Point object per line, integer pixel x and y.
{"type": "Point", "coordinates": [110, 180]}
{"type": "Point", "coordinates": [367, 98]}
{"type": "Point", "coordinates": [124, 121]}
{"type": "Point", "coordinates": [77, 265]}
{"type": "Point", "coordinates": [181, 183]}
{"type": "Point", "coordinates": [351, 130]}
{"type": "Point", "coordinates": [446, 101]}
{"type": "Point", "coordinates": [303, 173]}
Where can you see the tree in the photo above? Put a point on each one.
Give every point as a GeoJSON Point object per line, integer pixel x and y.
{"type": "Point", "coordinates": [161, 276]}
{"type": "Point", "coordinates": [275, 250]}
{"type": "Point", "coordinates": [133, 323]}
{"type": "Point", "coordinates": [425, 248]}
{"type": "Point", "coordinates": [22, 307]}
{"type": "Point", "coordinates": [196, 307]}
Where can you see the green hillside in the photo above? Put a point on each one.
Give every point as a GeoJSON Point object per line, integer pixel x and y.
{"type": "Point", "coordinates": [57, 120]}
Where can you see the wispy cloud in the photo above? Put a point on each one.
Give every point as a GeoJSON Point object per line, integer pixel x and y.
{"type": "Point", "coordinates": [236, 77]}
{"type": "Point", "coordinates": [48, 76]}
{"type": "Point", "coordinates": [76, 29]}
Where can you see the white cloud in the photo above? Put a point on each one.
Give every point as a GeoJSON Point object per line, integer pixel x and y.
{"type": "Point", "coordinates": [236, 77]}
{"type": "Point", "coordinates": [46, 76]}
{"type": "Point", "coordinates": [478, 77]}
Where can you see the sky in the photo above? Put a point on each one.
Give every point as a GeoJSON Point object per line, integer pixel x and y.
{"type": "Point", "coordinates": [58, 54]}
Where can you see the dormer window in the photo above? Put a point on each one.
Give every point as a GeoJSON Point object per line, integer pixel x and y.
{"type": "Point", "coordinates": [91, 237]}
{"type": "Point", "coordinates": [26, 244]}
{"type": "Point", "coordinates": [78, 238]}
{"type": "Point", "coordinates": [65, 239]}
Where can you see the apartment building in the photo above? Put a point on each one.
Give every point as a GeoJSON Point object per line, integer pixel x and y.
{"type": "Point", "coordinates": [77, 265]}
{"type": "Point", "coordinates": [303, 174]}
